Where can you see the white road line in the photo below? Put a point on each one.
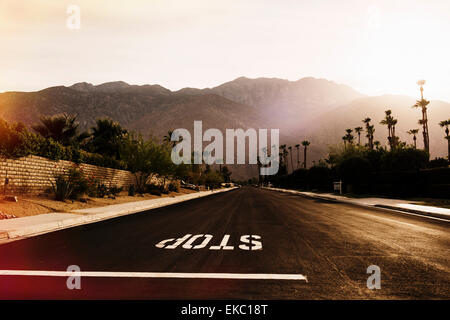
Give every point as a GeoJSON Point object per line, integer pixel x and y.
{"type": "Point", "coordinates": [112, 274]}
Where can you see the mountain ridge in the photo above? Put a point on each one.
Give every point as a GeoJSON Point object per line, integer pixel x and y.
{"type": "Point", "coordinates": [318, 110]}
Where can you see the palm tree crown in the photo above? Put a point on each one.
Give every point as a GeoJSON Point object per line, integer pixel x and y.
{"type": "Point", "coordinates": [62, 128]}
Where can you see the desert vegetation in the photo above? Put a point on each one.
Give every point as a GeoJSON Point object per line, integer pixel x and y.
{"type": "Point", "coordinates": [106, 144]}
{"type": "Point", "coordinates": [393, 168]}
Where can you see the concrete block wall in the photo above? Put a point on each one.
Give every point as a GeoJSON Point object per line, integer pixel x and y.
{"type": "Point", "coordinates": [33, 174]}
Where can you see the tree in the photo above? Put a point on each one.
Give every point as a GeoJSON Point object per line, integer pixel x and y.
{"type": "Point", "coordinates": [442, 124]}
{"type": "Point", "coordinates": [305, 144]}
{"type": "Point", "coordinates": [370, 130]}
{"type": "Point", "coordinates": [283, 156]}
{"type": "Point", "coordinates": [61, 128]}
{"type": "Point", "coordinates": [14, 139]}
{"type": "Point", "coordinates": [297, 146]}
{"type": "Point", "coordinates": [413, 132]}
{"type": "Point", "coordinates": [168, 139]}
{"type": "Point", "coordinates": [213, 179]}
{"type": "Point", "coordinates": [292, 162]}
{"type": "Point", "coordinates": [358, 130]}
{"type": "Point", "coordinates": [422, 104]}
{"type": "Point", "coordinates": [387, 121]}
{"type": "Point", "coordinates": [390, 122]}
{"type": "Point", "coordinates": [137, 153]}
{"type": "Point", "coordinates": [107, 136]}
{"type": "Point", "coordinates": [226, 174]}
{"type": "Point", "coordinates": [348, 137]}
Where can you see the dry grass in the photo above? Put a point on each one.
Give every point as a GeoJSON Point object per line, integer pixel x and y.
{"type": "Point", "coordinates": [29, 205]}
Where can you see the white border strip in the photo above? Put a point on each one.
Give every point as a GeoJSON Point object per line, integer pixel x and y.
{"type": "Point", "coordinates": [109, 274]}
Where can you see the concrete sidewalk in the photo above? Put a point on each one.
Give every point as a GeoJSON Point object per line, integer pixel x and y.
{"type": "Point", "coordinates": [386, 203]}
{"type": "Point", "coordinates": [13, 229]}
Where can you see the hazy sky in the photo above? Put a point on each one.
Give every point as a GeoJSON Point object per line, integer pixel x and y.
{"type": "Point", "coordinates": [374, 46]}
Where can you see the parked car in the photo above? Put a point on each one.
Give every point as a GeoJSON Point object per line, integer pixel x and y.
{"type": "Point", "coordinates": [189, 185]}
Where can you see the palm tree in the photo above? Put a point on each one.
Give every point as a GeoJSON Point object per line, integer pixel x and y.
{"type": "Point", "coordinates": [414, 132]}
{"type": "Point", "coordinates": [358, 130]}
{"type": "Point", "coordinates": [370, 130]}
{"type": "Point", "coordinates": [422, 104]}
{"type": "Point", "coordinates": [107, 137]}
{"type": "Point", "coordinates": [446, 123]}
{"type": "Point", "coordinates": [305, 144]}
{"type": "Point", "coordinates": [344, 138]}
{"type": "Point", "coordinates": [348, 137]}
{"type": "Point", "coordinates": [168, 139]}
{"type": "Point", "coordinates": [283, 155]}
{"type": "Point", "coordinates": [297, 146]}
{"type": "Point", "coordinates": [395, 139]}
{"type": "Point", "coordinates": [62, 128]}
{"type": "Point", "coordinates": [390, 122]}
{"type": "Point", "coordinates": [292, 163]}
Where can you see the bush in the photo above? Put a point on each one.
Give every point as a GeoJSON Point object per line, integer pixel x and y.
{"type": "Point", "coordinates": [79, 183]}
{"type": "Point", "coordinates": [131, 190]}
{"type": "Point", "coordinates": [50, 149]}
{"type": "Point", "coordinates": [155, 192]}
{"type": "Point", "coordinates": [404, 159]}
{"type": "Point", "coordinates": [438, 163]}
{"type": "Point", "coordinates": [114, 191]}
{"type": "Point", "coordinates": [173, 187]}
{"type": "Point", "coordinates": [101, 161]}
{"type": "Point", "coordinates": [62, 188]}
{"type": "Point", "coordinates": [319, 177]}
{"type": "Point", "coordinates": [102, 190]}
{"type": "Point", "coordinates": [163, 189]}
{"type": "Point", "coordinates": [150, 187]}
{"type": "Point", "coordinates": [355, 170]}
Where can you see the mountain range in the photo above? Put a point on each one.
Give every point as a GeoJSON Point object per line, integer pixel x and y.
{"type": "Point", "coordinates": [317, 110]}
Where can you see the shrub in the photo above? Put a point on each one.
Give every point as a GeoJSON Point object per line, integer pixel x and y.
{"type": "Point", "coordinates": [62, 188]}
{"type": "Point", "coordinates": [163, 189]}
{"type": "Point", "coordinates": [355, 171]}
{"type": "Point", "coordinates": [155, 192]}
{"type": "Point", "coordinates": [115, 190]}
{"type": "Point", "coordinates": [102, 190]}
{"type": "Point", "coordinates": [131, 190]}
{"type": "Point", "coordinates": [78, 181]}
{"type": "Point", "coordinates": [173, 187]}
{"type": "Point", "coordinates": [319, 177]}
{"type": "Point", "coordinates": [92, 183]}
{"type": "Point", "coordinates": [438, 163]}
{"type": "Point", "coordinates": [50, 149]}
{"type": "Point", "coordinates": [404, 159]}
{"type": "Point", "coordinates": [13, 139]}
{"type": "Point", "coordinates": [150, 187]}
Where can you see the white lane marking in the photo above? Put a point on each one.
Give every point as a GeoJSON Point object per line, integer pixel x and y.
{"type": "Point", "coordinates": [113, 274]}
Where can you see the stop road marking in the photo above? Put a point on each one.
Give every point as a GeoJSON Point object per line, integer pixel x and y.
{"type": "Point", "coordinates": [200, 241]}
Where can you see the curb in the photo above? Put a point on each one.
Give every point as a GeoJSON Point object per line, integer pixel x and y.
{"type": "Point", "coordinates": [91, 217]}
{"type": "Point", "coordinates": [430, 215]}
{"type": "Point", "coordinates": [416, 212]}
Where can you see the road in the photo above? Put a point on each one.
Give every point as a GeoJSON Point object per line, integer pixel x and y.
{"type": "Point", "coordinates": [331, 244]}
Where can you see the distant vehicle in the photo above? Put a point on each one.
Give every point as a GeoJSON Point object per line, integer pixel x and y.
{"type": "Point", "coordinates": [189, 185]}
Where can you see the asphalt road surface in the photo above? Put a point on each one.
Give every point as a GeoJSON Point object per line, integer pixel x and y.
{"type": "Point", "coordinates": [262, 232]}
